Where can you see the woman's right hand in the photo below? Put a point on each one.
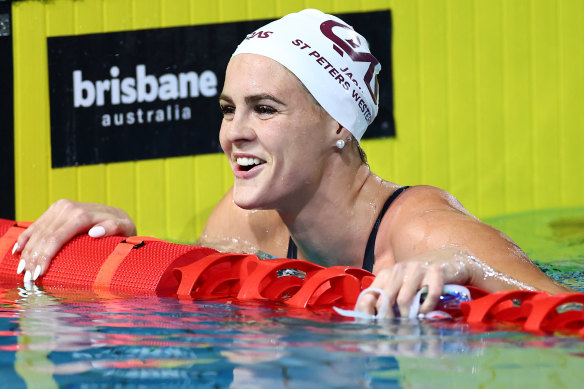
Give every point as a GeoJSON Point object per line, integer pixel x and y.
{"type": "Point", "coordinates": [402, 281]}
{"type": "Point", "coordinates": [59, 224]}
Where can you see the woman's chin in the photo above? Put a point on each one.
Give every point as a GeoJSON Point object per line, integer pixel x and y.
{"type": "Point", "coordinates": [250, 197]}
{"type": "Point", "coordinates": [248, 202]}
{"type": "Point", "coordinates": [244, 205]}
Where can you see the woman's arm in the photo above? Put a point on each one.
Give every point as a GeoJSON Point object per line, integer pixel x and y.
{"type": "Point", "coordinates": [430, 240]}
{"type": "Point", "coordinates": [437, 221]}
{"type": "Point", "coordinates": [229, 228]}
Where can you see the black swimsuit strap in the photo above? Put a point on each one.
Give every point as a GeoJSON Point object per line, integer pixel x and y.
{"type": "Point", "coordinates": [292, 249]}
{"type": "Point", "coordinates": [369, 257]}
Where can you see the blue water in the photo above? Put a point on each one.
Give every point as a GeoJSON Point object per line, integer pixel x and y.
{"type": "Point", "coordinates": [66, 339]}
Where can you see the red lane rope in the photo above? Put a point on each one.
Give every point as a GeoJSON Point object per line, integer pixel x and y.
{"type": "Point", "coordinates": [104, 277]}
{"type": "Point", "coordinates": [144, 265]}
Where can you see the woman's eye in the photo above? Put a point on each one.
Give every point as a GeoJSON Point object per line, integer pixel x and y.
{"type": "Point", "coordinates": [264, 110]}
{"type": "Point", "coordinates": [226, 109]}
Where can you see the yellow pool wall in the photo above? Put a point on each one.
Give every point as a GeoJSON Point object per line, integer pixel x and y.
{"type": "Point", "coordinates": [488, 105]}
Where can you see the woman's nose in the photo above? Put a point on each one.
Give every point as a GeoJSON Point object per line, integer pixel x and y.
{"type": "Point", "coordinates": [239, 129]}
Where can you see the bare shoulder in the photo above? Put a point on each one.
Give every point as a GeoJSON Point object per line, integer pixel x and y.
{"type": "Point", "coordinates": [419, 205]}
{"type": "Point", "coordinates": [411, 220]}
{"type": "Point", "coordinates": [424, 198]}
{"type": "Point", "coordinates": [230, 228]}
{"type": "Point", "coordinates": [426, 217]}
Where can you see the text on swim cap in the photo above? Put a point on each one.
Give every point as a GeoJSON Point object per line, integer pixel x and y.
{"type": "Point", "coordinates": [343, 76]}
{"type": "Point", "coordinates": [259, 34]}
{"type": "Point", "coordinates": [348, 46]}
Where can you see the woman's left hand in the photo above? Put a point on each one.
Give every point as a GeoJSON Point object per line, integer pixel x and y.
{"type": "Point", "coordinates": [402, 281]}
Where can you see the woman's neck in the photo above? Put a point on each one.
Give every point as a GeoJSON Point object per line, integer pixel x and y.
{"type": "Point", "coordinates": [332, 228]}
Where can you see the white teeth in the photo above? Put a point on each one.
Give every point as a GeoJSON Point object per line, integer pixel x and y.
{"type": "Point", "coordinates": [243, 161]}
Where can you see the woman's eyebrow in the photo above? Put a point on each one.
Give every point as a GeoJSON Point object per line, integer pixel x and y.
{"type": "Point", "coordinates": [252, 99]}
{"type": "Point", "coordinates": [262, 96]}
{"type": "Point", "coordinates": [225, 98]}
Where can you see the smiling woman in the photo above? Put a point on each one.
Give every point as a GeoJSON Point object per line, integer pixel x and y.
{"type": "Point", "coordinates": [299, 93]}
{"type": "Point", "coordinates": [281, 128]}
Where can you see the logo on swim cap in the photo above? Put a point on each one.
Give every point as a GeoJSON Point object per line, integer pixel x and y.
{"type": "Point", "coordinates": [341, 76]}
{"type": "Point", "coordinates": [342, 46]}
{"type": "Point", "coordinates": [259, 34]}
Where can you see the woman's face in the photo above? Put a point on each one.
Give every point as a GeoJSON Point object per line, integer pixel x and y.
{"type": "Point", "coordinates": [275, 136]}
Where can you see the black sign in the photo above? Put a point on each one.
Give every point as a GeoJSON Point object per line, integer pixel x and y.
{"type": "Point", "coordinates": [6, 113]}
{"type": "Point", "coordinates": [154, 93]}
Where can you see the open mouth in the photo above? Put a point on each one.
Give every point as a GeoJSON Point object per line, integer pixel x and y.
{"type": "Point", "coordinates": [246, 164]}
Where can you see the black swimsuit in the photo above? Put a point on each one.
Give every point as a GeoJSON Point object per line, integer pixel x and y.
{"type": "Point", "coordinates": [369, 257]}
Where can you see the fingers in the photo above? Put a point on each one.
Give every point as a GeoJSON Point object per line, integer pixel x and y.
{"type": "Point", "coordinates": [47, 236]}
{"type": "Point", "coordinates": [367, 304]}
{"type": "Point", "coordinates": [401, 283]}
{"type": "Point", "coordinates": [110, 227]}
{"type": "Point", "coordinates": [413, 275]}
{"type": "Point", "coordinates": [371, 303]}
{"type": "Point", "coordinates": [386, 281]}
{"type": "Point", "coordinates": [97, 231]}
{"type": "Point", "coordinates": [65, 219]}
{"type": "Point", "coordinates": [435, 282]}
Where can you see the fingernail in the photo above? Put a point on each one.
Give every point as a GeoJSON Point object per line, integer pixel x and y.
{"type": "Point", "coordinates": [15, 248]}
{"type": "Point", "coordinates": [37, 272]}
{"type": "Point", "coordinates": [96, 232]}
{"type": "Point", "coordinates": [27, 276]}
{"type": "Point", "coordinates": [21, 266]}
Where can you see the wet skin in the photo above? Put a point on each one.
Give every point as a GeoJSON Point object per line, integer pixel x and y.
{"type": "Point", "coordinates": [290, 179]}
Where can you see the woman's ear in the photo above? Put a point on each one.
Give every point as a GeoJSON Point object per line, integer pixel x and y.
{"type": "Point", "coordinates": [333, 130]}
{"type": "Point", "coordinates": [343, 133]}
{"type": "Point", "coordinates": [342, 137]}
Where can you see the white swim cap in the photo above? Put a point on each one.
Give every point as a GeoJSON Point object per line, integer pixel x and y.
{"type": "Point", "coordinates": [329, 57]}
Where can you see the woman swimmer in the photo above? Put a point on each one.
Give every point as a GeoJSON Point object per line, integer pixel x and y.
{"type": "Point", "coordinates": [296, 100]}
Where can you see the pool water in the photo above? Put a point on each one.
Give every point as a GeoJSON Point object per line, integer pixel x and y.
{"type": "Point", "coordinates": [553, 239]}
{"type": "Point", "coordinates": [65, 339]}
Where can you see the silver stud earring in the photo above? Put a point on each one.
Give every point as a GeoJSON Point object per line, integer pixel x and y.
{"type": "Point", "coordinates": [340, 144]}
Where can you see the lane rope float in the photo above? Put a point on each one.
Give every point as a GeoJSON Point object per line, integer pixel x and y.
{"type": "Point", "coordinates": [149, 266]}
